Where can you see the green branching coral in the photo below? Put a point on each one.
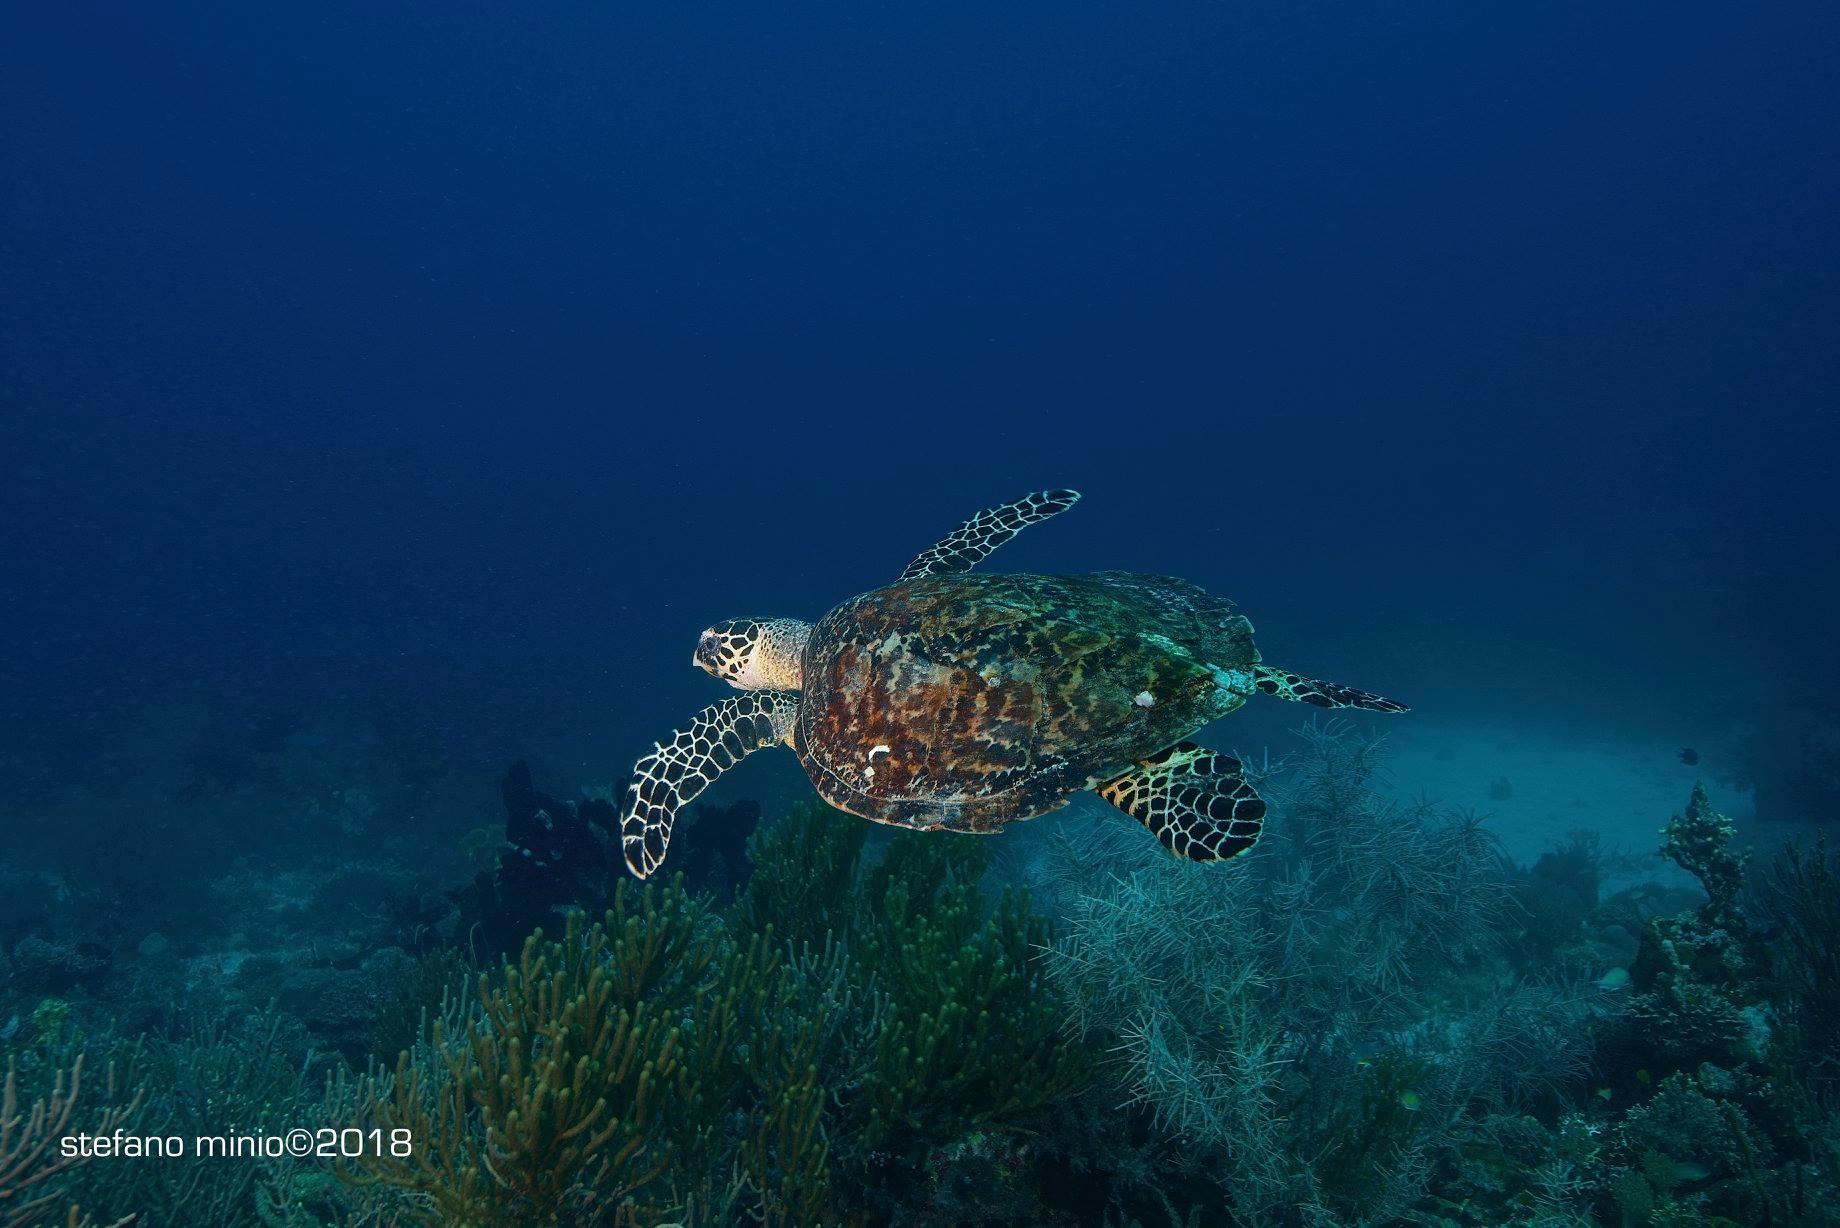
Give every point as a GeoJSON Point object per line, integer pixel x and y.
{"type": "Point", "coordinates": [784, 1155]}
{"type": "Point", "coordinates": [948, 1021]}
{"type": "Point", "coordinates": [804, 868]}
{"type": "Point", "coordinates": [973, 1037]}
{"type": "Point", "coordinates": [554, 1097]}
{"type": "Point", "coordinates": [668, 1063]}
{"type": "Point", "coordinates": [542, 1106]}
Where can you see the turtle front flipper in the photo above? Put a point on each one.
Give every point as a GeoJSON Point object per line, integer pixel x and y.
{"type": "Point", "coordinates": [970, 543]}
{"type": "Point", "coordinates": [1196, 801]}
{"type": "Point", "coordinates": [669, 778]}
{"type": "Point", "coordinates": [1298, 689]}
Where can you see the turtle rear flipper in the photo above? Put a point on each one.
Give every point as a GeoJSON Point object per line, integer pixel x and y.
{"type": "Point", "coordinates": [1196, 801]}
{"type": "Point", "coordinates": [1298, 689]}
{"type": "Point", "coordinates": [670, 778]}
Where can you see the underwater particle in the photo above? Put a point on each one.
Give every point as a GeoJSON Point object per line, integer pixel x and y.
{"type": "Point", "coordinates": [1144, 699]}
{"type": "Point", "coordinates": [1614, 979]}
{"type": "Point", "coordinates": [1689, 756]}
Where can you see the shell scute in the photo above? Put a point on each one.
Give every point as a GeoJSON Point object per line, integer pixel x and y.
{"type": "Point", "coordinates": [994, 697]}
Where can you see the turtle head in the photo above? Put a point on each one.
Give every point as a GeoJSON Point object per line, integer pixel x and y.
{"type": "Point", "coordinates": [755, 654]}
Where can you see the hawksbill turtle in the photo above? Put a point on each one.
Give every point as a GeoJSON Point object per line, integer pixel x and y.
{"type": "Point", "coordinates": [948, 701]}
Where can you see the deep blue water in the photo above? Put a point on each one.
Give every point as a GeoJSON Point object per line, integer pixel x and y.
{"type": "Point", "coordinates": [470, 359]}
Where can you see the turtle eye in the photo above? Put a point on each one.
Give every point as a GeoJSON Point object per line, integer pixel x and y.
{"type": "Point", "coordinates": [708, 654]}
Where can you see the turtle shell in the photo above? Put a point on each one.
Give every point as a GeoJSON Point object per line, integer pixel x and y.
{"type": "Point", "coordinates": [968, 701]}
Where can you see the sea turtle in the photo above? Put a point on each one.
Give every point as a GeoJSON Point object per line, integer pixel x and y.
{"type": "Point", "coordinates": [955, 702]}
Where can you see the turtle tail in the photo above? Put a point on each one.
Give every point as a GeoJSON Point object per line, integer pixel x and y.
{"type": "Point", "coordinates": [1298, 689]}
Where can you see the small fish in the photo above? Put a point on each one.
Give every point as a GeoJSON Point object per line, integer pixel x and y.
{"type": "Point", "coordinates": [1686, 1170]}
{"type": "Point", "coordinates": [1603, 1093]}
{"type": "Point", "coordinates": [1408, 1101]}
{"type": "Point", "coordinates": [1689, 756]}
{"type": "Point", "coordinates": [1642, 1077]}
{"type": "Point", "coordinates": [1616, 978]}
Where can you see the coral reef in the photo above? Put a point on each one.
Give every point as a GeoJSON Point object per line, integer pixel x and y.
{"type": "Point", "coordinates": [1372, 1018]}
{"type": "Point", "coordinates": [1315, 1063]}
{"type": "Point", "coordinates": [1695, 976]}
{"type": "Point", "coordinates": [892, 1018]}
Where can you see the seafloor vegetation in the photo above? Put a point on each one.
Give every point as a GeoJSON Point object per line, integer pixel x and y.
{"type": "Point", "coordinates": [1374, 1018]}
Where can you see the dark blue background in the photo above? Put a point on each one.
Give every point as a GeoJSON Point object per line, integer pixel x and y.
{"type": "Point", "coordinates": [466, 359]}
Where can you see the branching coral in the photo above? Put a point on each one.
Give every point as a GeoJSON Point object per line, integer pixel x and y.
{"type": "Point", "coordinates": [215, 1075]}
{"type": "Point", "coordinates": [1270, 1013]}
{"type": "Point", "coordinates": [1416, 887]}
{"type": "Point", "coordinates": [937, 1019]}
{"type": "Point", "coordinates": [785, 1152]}
{"type": "Point", "coordinates": [1801, 903]}
{"type": "Point", "coordinates": [600, 1069]}
{"type": "Point", "coordinates": [973, 1037]}
{"type": "Point", "coordinates": [1182, 966]}
{"type": "Point", "coordinates": [30, 1159]}
{"type": "Point", "coordinates": [804, 868]}
{"type": "Point", "coordinates": [889, 1016]}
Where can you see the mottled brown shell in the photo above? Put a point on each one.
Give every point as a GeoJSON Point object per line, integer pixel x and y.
{"type": "Point", "coordinates": [968, 701]}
